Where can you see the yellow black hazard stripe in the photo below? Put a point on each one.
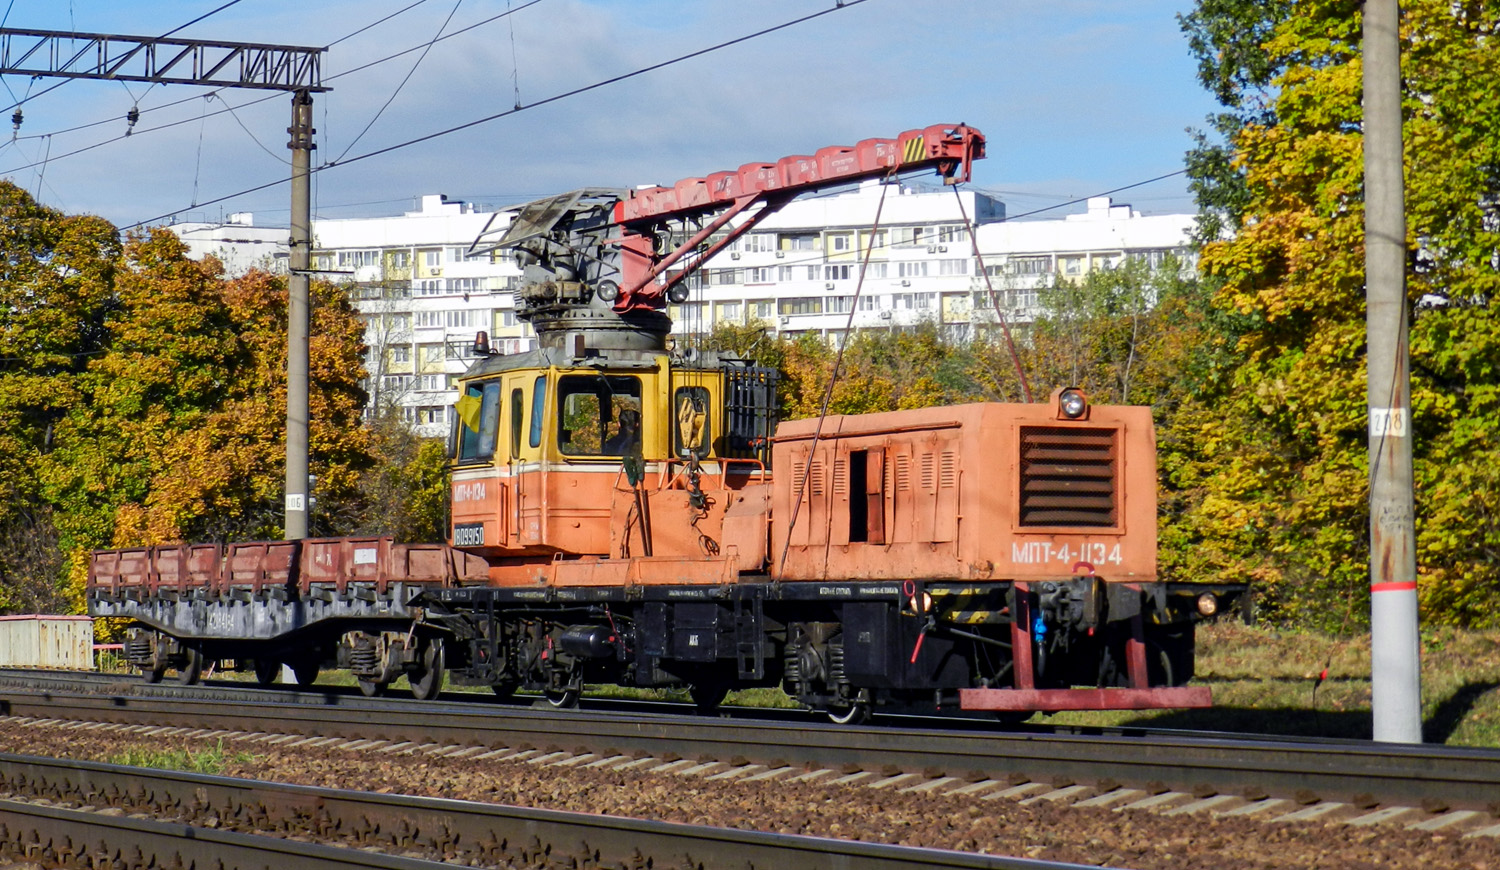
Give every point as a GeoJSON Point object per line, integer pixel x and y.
{"type": "Point", "coordinates": [913, 150]}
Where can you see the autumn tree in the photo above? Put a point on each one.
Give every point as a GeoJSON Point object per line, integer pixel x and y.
{"type": "Point", "coordinates": [1285, 504]}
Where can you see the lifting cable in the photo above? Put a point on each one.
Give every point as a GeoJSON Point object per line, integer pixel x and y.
{"type": "Point", "coordinates": [838, 363]}
{"type": "Point", "coordinates": [1010, 345]}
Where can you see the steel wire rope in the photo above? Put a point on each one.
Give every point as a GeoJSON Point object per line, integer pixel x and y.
{"type": "Point", "coordinates": [833, 376]}
{"type": "Point", "coordinates": [409, 73]}
{"type": "Point", "coordinates": [845, 4]}
{"type": "Point", "coordinates": [248, 103]}
{"type": "Point", "coordinates": [1010, 344]}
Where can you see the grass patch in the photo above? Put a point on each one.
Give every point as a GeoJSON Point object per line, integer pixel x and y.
{"type": "Point", "coordinates": [1265, 681]}
{"type": "Point", "coordinates": [213, 760]}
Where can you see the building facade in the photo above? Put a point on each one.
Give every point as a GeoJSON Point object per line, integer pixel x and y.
{"type": "Point", "coordinates": [944, 257]}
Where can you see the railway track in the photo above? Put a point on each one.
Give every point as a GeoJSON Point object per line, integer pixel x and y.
{"type": "Point", "coordinates": [1438, 781]}
{"type": "Point", "coordinates": [77, 814]}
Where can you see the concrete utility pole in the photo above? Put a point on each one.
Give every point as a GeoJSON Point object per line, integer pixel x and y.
{"type": "Point", "coordinates": [299, 317]}
{"type": "Point", "coordinates": [1395, 646]}
{"type": "Point", "coordinates": [221, 64]}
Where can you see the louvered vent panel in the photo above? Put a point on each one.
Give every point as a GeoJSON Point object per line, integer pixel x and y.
{"type": "Point", "coordinates": [948, 470]}
{"type": "Point", "coordinates": [903, 473]}
{"type": "Point", "coordinates": [815, 481]}
{"type": "Point", "coordinates": [1069, 477]}
{"type": "Point", "coordinates": [929, 466]}
{"type": "Point", "coordinates": [840, 477]}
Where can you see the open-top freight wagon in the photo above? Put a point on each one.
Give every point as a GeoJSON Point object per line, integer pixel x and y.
{"type": "Point", "coordinates": [623, 512]}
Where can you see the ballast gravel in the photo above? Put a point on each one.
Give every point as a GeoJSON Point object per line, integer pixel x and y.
{"type": "Point", "coordinates": [1137, 839]}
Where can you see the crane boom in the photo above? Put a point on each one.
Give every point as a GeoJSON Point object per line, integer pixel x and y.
{"type": "Point", "coordinates": [950, 149]}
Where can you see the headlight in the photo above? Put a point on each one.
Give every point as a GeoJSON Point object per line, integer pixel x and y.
{"type": "Point", "coordinates": [1208, 605]}
{"type": "Point", "coordinates": [1072, 403]}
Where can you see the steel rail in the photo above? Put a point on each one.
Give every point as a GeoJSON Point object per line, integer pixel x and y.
{"type": "Point", "coordinates": [350, 822]}
{"type": "Point", "coordinates": [1350, 771]}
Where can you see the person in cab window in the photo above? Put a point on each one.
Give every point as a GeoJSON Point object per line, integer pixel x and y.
{"type": "Point", "coordinates": [627, 437]}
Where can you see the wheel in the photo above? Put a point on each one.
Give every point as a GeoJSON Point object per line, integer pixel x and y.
{"type": "Point", "coordinates": [154, 673]}
{"type": "Point", "coordinates": [852, 713]}
{"type": "Point", "coordinates": [503, 691]}
{"type": "Point", "coordinates": [372, 689]}
{"type": "Point", "coordinates": [192, 668]}
{"type": "Point", "coordinates": [305, 672]}
{"type": "Point", "coordinates": [266, 671]}
{"type": "Point", "coordinates": [426, 684]}
{"type": "Point", "coordinates": [562, 699]}
{"type": "Point", "coordinates": [708, 696]}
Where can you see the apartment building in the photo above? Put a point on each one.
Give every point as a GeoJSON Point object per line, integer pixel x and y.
{"type": "Point", "coordinates": [802, 270]}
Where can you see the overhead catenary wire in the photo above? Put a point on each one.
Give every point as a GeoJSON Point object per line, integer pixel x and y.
{"type": "Point", "coordinates": [218, 91]}
{"type": "Point", "coordinates": [409, 73]}
{"type": "Point", "coordinates": [845, 4]}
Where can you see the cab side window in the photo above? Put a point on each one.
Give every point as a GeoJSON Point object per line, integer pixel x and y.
{"type": "Point", "coordinates": [690, 422]}
{"type": "Point", "coordinates": [478, 425]}
{"type": "Point", "coordinates": [598, 415]}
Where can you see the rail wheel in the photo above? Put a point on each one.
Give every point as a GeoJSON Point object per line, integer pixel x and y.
{"type": "Point", "coordinates": [192, 666]}
{"type": "Point", "coordinates": [708, 696]}
{"type": "Point", "coordinates": [426, 684]}
{"type": "Point", "coordinates": [562, 699]}
{"type": "Point", "coordinates": [372, 688]}
{"type": "Point", "coordinates": [266, 671]}
{"type": "Point", "coordinates": [306, 672]}
{"type": "Point", "coordinates": [853, 712]}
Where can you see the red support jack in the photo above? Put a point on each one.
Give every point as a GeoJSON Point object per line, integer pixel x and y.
{"type": "Point", "coordinates": [1025, 696]}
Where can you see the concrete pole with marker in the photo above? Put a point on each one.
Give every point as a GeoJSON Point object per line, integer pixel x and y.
{"type": "Point", "coordinates": [1395, 644]}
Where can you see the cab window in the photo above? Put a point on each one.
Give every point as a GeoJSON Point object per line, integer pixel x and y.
{"type": "Point", "coordinates": [538, 402]}
{"type": "Point", "coordinates": [599, 415]}
{"type": "Point", "coordinates": [517, 421]}
{"type": "Point", "coordinates": [477, 431]}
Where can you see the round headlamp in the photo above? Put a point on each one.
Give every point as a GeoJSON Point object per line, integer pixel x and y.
{"type": "Point", "coordinates": [1072, 403]}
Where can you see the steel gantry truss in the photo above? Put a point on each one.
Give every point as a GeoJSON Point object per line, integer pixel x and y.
{"type": "Point", "coordinates": [161, 60]}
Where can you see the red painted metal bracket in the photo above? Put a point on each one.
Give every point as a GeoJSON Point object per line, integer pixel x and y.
{"type": "Point", "coordinates": [1053, 700]}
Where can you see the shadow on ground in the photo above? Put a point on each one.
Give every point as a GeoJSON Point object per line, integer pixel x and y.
{"type": "Point", "coordinates": [1303, 722]}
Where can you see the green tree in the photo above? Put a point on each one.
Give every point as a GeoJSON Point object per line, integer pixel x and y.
{"type": "Point", "coordinates": [1285, 503]}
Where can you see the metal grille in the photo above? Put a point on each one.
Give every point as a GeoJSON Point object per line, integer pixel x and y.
{"type": "Point", "coordinates": [1068, 477]}
{"type": "Point", "coordinates": [749, 411]}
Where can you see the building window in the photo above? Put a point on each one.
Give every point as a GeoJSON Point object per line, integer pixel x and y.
{"type": "Point", "coordinates": [869, 303]}
{"type": "Point", "coordinates": [950, 233]}
{"type": "Point", "coordinates": [355, 259]}
{"type": "Point", "coordinates": [730, 312]}
{"type": "Point", "coordinates": [838, 242]}
{"type": "Point", "coordinates": [802, 305]}
{"type": "Point", "coordinates": [837, 272]}
{"type": "Point", "coordinates": [471, 318]}
{"type": "Point", "coordinates": [1072, 266]}
{"type": "Point", "coordinates": [723, 277]}
{"type": "Point", "coordinates": [401, 353]}
{"type": "Point", "coordinates": [432, 258]}
{"type": "Point", "coordinates": [758, 275]}
{"type": "Point", "coordinates": [911, 301]}
{"type": "Point", "coordinates": [798, 241]}
{"type": "Point", "coordinates": [909, 236]}
{"type": "Point", "coordinates": [398, 323]}
{"type": "Point", "coordinates": [431, 353]}
{"type": "Point", "coordinates": [398, 259]}
{"type": "Point", "coordinates": [759, 243]}
{"type": "Point", "coordinates": [505, 319]}
{"type": "Point", "coordinates": [465, 285]}
{"type": "Point", "coordinates": [428, 287]}
{"type": "Point", "coordinates": [838, 305]}
{"type": "Point", "coordinates": [428, 319]}
{"type": "Point", "coordinates": [761, 309]}
{"type": "Point", "coordinates": [432, 383]}
{"type": "Point", "coordinates": [953, 267]}
{"type": "Point", "coordinates": [1028, 266]}
{"type": "Point", "coordinates": [913, 269]}
{"type": "Point", "coordinates": [877, 270]}
{"type": "Point", "coordinates": [457, 255]}
{"type": "Point", "coordinates": [396, 383]}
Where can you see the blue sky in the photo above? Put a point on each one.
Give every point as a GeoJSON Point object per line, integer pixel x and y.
{"type": "Point", "coordinates": [1075, 96]}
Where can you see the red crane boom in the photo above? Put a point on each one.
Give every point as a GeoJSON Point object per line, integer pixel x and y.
{"type": "Point", "coordinates": [950, 149]}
